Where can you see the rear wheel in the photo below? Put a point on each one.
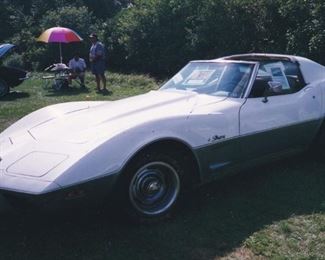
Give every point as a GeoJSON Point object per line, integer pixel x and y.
{"type": "Point", "coordinates": [152, 186]}
{"type": "Point", "coordinates": [4, 88]}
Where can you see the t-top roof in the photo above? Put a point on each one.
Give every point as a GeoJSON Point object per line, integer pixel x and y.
{"type": "Point", "coordinates": [260, 57]}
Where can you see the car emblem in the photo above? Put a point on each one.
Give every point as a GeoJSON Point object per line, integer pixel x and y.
{"type": "Point", "coordinates": [216, 138]}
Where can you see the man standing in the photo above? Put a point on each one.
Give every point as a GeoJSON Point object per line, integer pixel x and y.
{"type": "Point", "coordinates": [97, 61]}
{"type": "Point", "coordinates": [77, 66]}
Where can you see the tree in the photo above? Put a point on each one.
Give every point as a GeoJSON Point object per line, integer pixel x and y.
{"type": "Point", "coordinates": [305, 28]}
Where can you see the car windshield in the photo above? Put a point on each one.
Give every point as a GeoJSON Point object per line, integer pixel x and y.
{"type": "Point", "coordinates": [212, 78]}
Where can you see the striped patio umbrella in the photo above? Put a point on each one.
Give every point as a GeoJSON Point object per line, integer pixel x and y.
{"type": "Point", "coordinates": [59, 35]}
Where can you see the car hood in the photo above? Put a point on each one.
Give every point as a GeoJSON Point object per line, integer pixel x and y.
{"type": "Point", "coordinates": [83, 123]}
{"type": "Point", "coordinates": [4, 48]}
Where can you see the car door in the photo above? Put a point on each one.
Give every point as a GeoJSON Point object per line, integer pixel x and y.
{"type": "Point", "coordinates": [283, 120]}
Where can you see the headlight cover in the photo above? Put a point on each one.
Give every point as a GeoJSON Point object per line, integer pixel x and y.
{"type": "Point", "coordinates": [36, 164]}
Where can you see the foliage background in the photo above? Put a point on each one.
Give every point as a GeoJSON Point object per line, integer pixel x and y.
{"type": "Point", "coordinates": [158, 37]}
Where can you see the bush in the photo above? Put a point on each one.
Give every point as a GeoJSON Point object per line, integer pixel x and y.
{"type": "Point", "coordinates": [14, 60]}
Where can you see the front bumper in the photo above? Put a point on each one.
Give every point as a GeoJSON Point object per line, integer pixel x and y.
{"type": "Point", "coordinates": [94, 192]}
{"type": "Point", "coordinates": [26, 185]}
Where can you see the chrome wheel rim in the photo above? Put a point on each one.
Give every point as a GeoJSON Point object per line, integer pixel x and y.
{"type": "Point", "coordinates": [154, 188]}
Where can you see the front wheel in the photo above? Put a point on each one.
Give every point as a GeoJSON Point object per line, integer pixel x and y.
{"type": "Point", "coordinates": [153, 186]}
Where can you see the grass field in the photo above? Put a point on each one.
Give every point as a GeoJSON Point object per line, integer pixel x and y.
{"type": "Point", "coordinates": [274, 211]}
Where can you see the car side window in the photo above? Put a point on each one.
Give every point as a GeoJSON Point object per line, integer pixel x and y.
{"type": "Point", "coordinates": [277, 78]}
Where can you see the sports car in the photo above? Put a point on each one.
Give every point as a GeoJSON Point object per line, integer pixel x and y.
{"type": "Point", "coordinates": [9, 76]}
{"type": "Point", "coordinates": [211, 119]}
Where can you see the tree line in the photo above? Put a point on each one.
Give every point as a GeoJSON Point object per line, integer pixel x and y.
{"type": "Point", "coordinates": [160, 36]}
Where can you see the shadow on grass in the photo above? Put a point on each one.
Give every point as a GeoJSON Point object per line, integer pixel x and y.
{"type": "Point", "coordinates": [69, 91]}
{"type": "Point", "coordinates": [14, 95]}
{"type": "Point", "coordinates": [216, 219]}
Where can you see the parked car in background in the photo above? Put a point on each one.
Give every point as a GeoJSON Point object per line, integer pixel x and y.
{"type": "Point", "coordinates": [212, 118]}
{"type": "Point", "coordinates": [9, 76]}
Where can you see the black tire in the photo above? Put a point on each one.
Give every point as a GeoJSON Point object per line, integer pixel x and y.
{"type": "Point", "coordinates": [152, 186]}
{"type": "Point", "coordinates": [4, 88]}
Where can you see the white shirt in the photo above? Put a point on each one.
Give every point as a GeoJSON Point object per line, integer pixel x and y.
{"type": "Point", "coordinates": [77, 64]}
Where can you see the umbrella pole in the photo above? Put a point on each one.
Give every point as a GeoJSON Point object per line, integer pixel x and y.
{"type": "Point", "coordinates": [60, 53]}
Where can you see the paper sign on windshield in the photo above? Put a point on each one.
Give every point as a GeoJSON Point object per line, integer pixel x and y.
{"type": "Point", "coordinates": [199, 77]}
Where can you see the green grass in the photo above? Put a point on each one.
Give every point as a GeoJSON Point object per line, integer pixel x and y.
{"type": "Point", "coordinates": [275, 211]}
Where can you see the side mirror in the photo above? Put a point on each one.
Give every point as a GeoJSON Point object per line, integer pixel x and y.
{"type": "Point", "coordinates": [274, 87]}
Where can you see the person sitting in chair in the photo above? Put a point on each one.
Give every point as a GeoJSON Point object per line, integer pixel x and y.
{"type": "Point", "coordinates": [78, 67]}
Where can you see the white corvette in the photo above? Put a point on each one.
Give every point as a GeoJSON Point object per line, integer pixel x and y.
{"type": "Point", "coordinates": [209, 119]}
